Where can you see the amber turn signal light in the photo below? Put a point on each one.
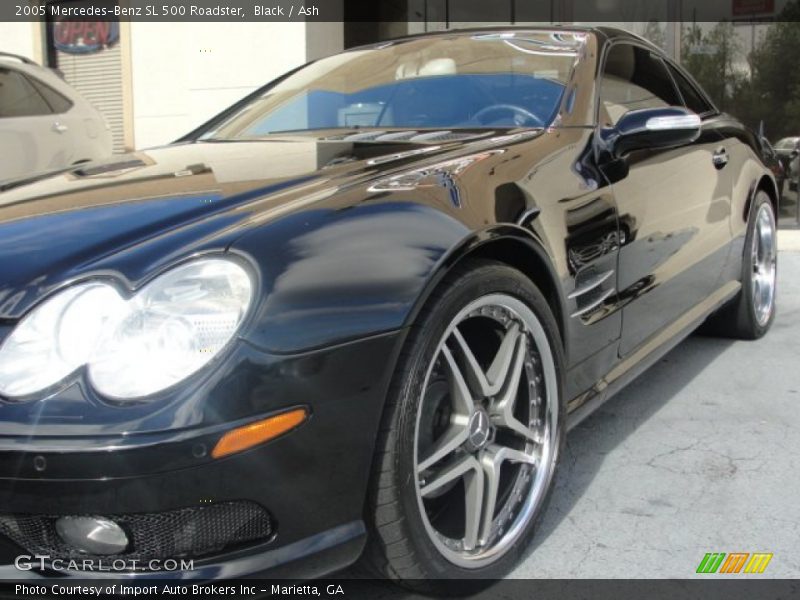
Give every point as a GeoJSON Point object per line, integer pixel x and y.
{"type": "Point", "coordinates": [247, 436]}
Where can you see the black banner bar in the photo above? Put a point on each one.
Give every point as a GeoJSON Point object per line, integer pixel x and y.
{"type": "Point", "coordinates": [712, 587]}
{"type": "Point", "coordinates": [432, 11]}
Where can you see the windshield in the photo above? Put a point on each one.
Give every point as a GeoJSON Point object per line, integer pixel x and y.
{"type": "Point", "coordinates": [452, 81]}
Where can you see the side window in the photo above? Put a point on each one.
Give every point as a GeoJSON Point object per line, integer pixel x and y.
{"type": "Point", "coordinates": [59, 104]}
{"type": "Point", "coordinates": [18, 97]}
{"type": "Point", "coordinates": [691, 97]}
{"type": "Point", "coordinates": [634, 78]}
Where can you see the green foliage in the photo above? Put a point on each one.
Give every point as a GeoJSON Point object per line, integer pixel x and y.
{"type": "Point", "coordinates": [711, 57]}
{"type": "Point", "coordinates": [655, 33]}
{"type": "Point", "coordinates": [776, 76]}
{"type": "Point", "coordinates": [761, 86]}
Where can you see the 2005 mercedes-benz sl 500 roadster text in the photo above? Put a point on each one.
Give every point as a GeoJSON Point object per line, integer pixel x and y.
{"type": "Point", "coordinates": [354, 315]}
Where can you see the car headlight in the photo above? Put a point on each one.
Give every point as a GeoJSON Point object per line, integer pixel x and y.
{"type": "Point", "coordinates": [131, 347]}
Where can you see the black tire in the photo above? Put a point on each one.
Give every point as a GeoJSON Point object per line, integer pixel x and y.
{"type": "Point", "coordinates": [738, 318]}
{"type": "Point", "coordinates": [399, 546]}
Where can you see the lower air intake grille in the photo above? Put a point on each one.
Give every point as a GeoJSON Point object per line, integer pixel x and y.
{"type": "Point", "coordinates": [186, 532]}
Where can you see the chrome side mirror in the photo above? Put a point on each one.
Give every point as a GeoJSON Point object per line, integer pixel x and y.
{"type": "Point", "coordinates": [668, 127]}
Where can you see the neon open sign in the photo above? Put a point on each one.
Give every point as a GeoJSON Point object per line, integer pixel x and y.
{"type": "Point", "coordinates": [85, 37]}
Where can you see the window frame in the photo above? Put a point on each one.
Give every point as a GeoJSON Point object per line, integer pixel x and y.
{"type": "Point", "coordinates": [665, 60]}
{"type": "Point", "coordinates": [38, 83]}
{"type": "Point", "coordinates": [36, 91]}
{"type": "Point", "coordinates": [713, 111]}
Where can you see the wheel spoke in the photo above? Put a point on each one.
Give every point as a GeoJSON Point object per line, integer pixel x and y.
{"type": "Point", "coordinates": [491, 382]}
{"type": "Point", "coordinates": [767, 240]}
{"type": "Point", "coordinates": [499, 369]}
{"type": "Point", "coordinates": [502, 411]}
{"type": "Point", "coordinates": [473, 505]}
{"type": "Point", "coordinates": [475, 374]}
{"type": "Point", "coordinates": [451, 471]}
{"type": "Point", "coordinates": [468, 468]}
{"type": "Point", "coordinates": [766, 291]}
{"type": "Point", "coordinates": [757, 291]}
{"type": "Point", "coordinates": [762, 287]}
{"type": "Point", "coordinates": [517, 427]}
{"type": "Point", "coordinates": [492, 460]}
{"type": "Point", "coordinates": [455, 435]}
{"type": "Point", "coordinates": [460, 392]}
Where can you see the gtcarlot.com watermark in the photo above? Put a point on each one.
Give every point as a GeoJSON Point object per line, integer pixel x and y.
{"type": "Point", "coordinates": [43, 562]}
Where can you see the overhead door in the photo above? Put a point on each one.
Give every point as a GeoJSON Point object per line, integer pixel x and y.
{"type": "Point", "coordinates": [98, 78]}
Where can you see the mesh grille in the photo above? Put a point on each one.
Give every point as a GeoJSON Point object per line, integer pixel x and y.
{"type": "Point", "coordinates": [186, 532]}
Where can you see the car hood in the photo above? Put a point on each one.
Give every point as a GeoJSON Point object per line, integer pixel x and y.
{"type": "Point", "coordinates": [129, 216]}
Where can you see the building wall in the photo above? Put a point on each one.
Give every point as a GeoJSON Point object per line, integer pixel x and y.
{"type": "Point", "coordinates": [323, 39]}
{"type": "Point", "coordinates": [183, 75]}
{"type": "Point", "coordinates": [24, 39]}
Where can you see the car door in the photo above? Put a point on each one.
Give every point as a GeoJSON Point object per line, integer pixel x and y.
{"type": "Point", "coordinates": [674, 205]}
{"type": "Point", "coordinates": [31, 137]}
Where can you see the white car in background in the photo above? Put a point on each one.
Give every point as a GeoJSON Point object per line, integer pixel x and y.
{"type": "Point", "coordinates": [44, 123]}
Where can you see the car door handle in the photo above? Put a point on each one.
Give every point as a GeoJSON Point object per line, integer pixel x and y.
{"type": "Point", "coordinates": [59, 127]}
{"type": "Point", "coordinates": [720, 158]}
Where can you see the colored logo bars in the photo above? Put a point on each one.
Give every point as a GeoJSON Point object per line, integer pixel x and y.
{"type": "Point", "coordinates": [736, 562]}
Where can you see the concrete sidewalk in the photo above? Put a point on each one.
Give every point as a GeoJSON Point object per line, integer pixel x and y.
{"type": "Point", "coordinates": [698, 455]}
{"type": "Point", "coordinates": [789, 240]}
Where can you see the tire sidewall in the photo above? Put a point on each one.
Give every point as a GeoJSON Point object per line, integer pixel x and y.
{"type": "Point", "coordinates": [478, 282]}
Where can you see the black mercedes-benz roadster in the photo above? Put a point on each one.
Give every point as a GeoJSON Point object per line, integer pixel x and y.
{"type": "Point", "coordinates": [354, 315]}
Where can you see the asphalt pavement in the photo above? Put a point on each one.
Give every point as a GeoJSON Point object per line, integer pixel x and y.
{"type": "Point", "coordinates": [698, 455]}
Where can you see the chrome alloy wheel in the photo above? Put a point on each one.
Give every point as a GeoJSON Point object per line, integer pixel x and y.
{"type": "Point", "coordinates": [486, 433]}
{"type": "Point", "coordinates": [765, 258]}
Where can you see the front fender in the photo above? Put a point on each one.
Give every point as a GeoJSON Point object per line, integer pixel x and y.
{"type": "Point", "coordinates": [329, 276]}
{"type": "Point", "coordinates": [493, 242]}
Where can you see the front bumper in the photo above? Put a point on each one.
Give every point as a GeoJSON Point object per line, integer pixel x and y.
{"type": "Point", "coordinates": [315, 556]}
{"type": "Point", "coordinates": [312, 481]}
